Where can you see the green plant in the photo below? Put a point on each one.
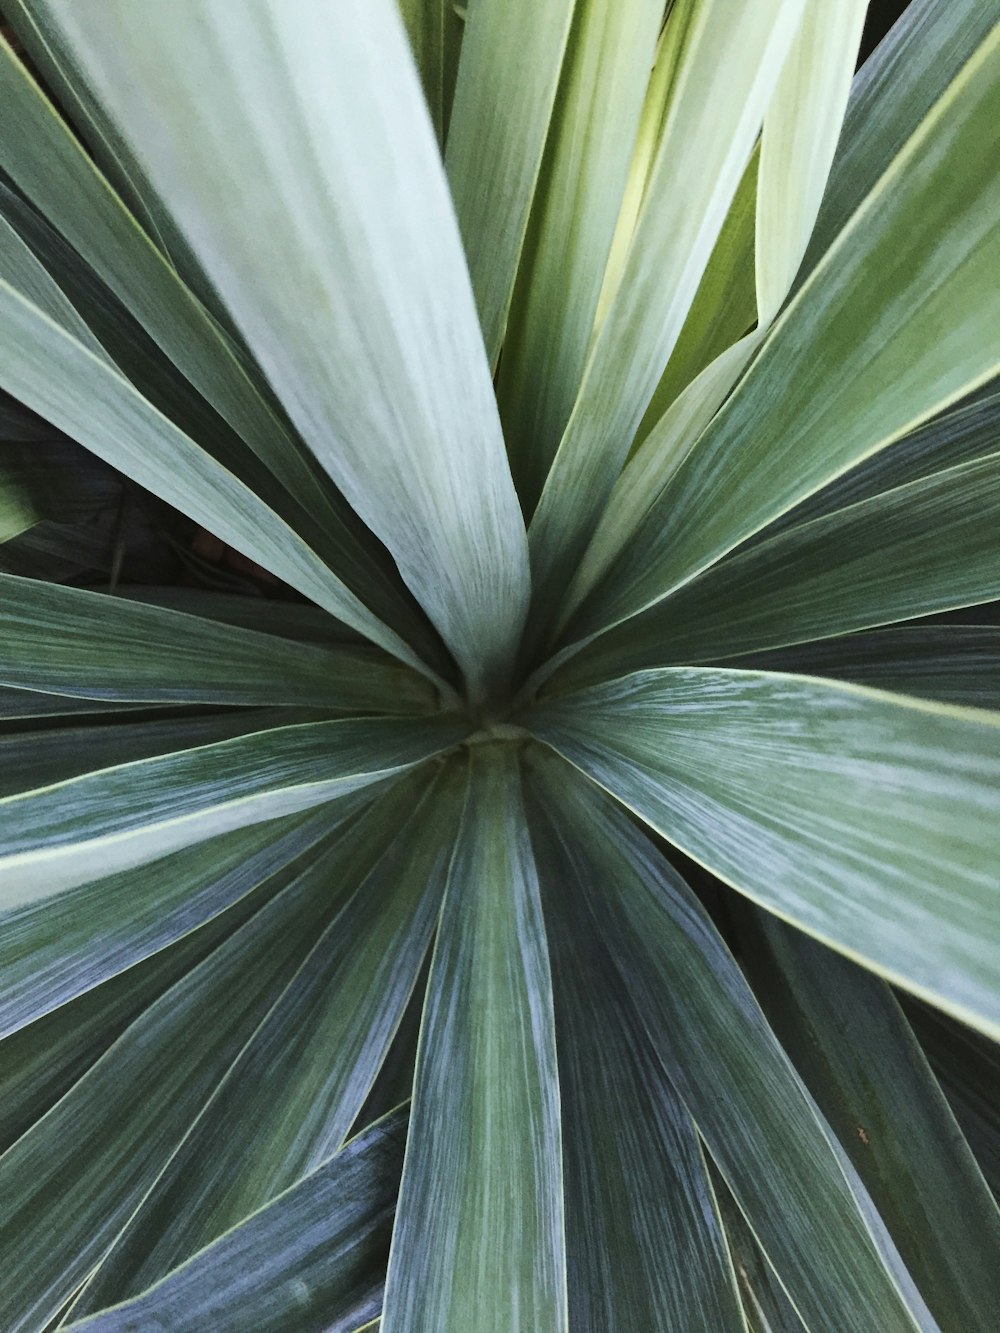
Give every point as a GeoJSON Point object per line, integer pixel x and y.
{"type": "Point", "coordinates": [268, 865]}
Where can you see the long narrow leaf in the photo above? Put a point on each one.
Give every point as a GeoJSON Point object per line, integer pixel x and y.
{"type": "Point", "coordinates": [778, 1156]}
{"type": "Point", "coordinates": [311, 1260]}
{"type": "Point", "coordinates": [478, 1245]}
{"type": "Point", "coordinates": [370, 338]}
{"type": "Point", "coordinates": [857, 360]}
{"type": "Point", "coordinates": [60, 836]}
{"type": "Point", "coordinates": [66, 640]}
{"type": "Point", "coordinates": [867, 819]}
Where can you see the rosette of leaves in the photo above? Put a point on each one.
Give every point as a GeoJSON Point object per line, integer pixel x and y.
{"type": "Point", "coordinates": [574, 906]}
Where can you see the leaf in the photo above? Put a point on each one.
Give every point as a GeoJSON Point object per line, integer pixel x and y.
{"type": "Point", "coordinates": [729, 61]}
{"type": "Point", "coordinates": [856, 361]}
{"type": "Point", "coordinates": [370, 337]}
{"type": "Point", "coordinates": [435, 31]}
{"type": "Point", "coordinates": [66, 640]}
{"type": "Point", "coordinates": [512, 54]}
{"type": "Point", "coordinates": [583, 174]}
{"type": "Point", "coordinates": [311, 1260]}
{"type": "Point", "coordinates": [867, 819]}
{"type": "Point", "coordinates": [55, 172]}
{"type": "Point", "coordinates": [802, 1198]}
{"type": "Point", "coordinates": [928, 546]}
{"type": "Point", "coordinates": [43, 1059]}
{"type": "Point", "coordinates": [644, 1244]}
{"type": "Point", "coordinates": [288, 1102]}
{"type": "Point", "coordinates": [893, 91]}
{"type": "Point", "coordinates": [954, 664]}
{"type": "Point", "coordinates": [478, 1244]}
{"type": "Point", "coordinates": [17, 513]}
{"type": "Point", "coordinates": [852, 1046]}
{"type": "Point", "coordinates": [801, 129]}
{"type": "Point", "coordinates": [56, 950]}
{"type": "Point", "coordinates": [102, 1147]}
{"type": "Point", "coordinates": [60, 836]}
{"type": "Point", "coordinates": [968, 1067]}
{"type": "Point", "coordinates": [961, 434]}
{"type": "Point", "coordinates": [84, 395]}
{"type": "Point", "coordinates": [766, 1306]}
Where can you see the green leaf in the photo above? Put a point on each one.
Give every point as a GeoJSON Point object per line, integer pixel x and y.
{"type": "Point", "coordinates": [66, 640]}
{"type": "Point", "coordinates": [435, 30]}
{"type": "Point", "coordinates": [968, 1067]}
{"type": "Point", "coordinates": [56, 950]}
{"type": "Point", "coordinates": [644, 1245]}
{"type": "Point", "coordinates": [853, 1048]}
{"type": "Point", "coordinates": [290, 1098]}
{"type": "Point", "coordinates": [55, 172]}
{"type": "Point", "coordinates": [766, 1306]}
{"type": "Point", "coordinates": [803, 1200]}
{"type": "Point", "coordinates": [45, 1057]}
{"type": "Point", "coordinates": [478, 1244]}
{"type": "Point", "coordinates": [928, 546]}
{"type": "Point", "coordinates": [801, 129]}
{"type": "Point", "coordinates": [954, 664]}
{"type": "Point", "coordinates": [311, 1260]}
{"type": "Point", "coordinates": [610, 52]}
{"type": "Point", "coordinates": [95, 1155]}
{"type": "Point", "coordinates": [63, 835]}
{"type": "Point", "coordinates": [83, 394]}
{"type": "Point", "coordinates": [897, 86]}
{"type": "Point", "coordinates": [961, 434]}
{"type": "Point", "coordinates": [858, 359]}
{"type": "Point", "coordinates": [370, 337]}
{"type": "Point", "coordinates": [729, 61]}
{"type": "Point", "coordinates": [17, 513]}
{"type": "Point", "coordinates": [512, 54]}
{"type": "Point", "coordinates": [869, 820]}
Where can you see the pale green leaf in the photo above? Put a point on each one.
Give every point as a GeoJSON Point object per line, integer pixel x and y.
{"type": "Point", "coordinates": [801, 129]}
{"type": "Point", "coordinates": [870, 820]}
{"type": "Point", "coordinates": [290, 1098]}
{"type": "Point", "coordinates": [610, 52]}
{"type": "Point", "coordinates": [929, 546]}
{"type": "Point", "coordinates": [644, 1245]}
{"type": "Point", "coordinates": [512, 54]}
{"type": "Point", "coordinates": [341, 264]}
{"type": "Point", "coordinates": [894, 325]}
{"type": "Point", "coordinates": [852, 1046]}
{"type": "Point", "coordinates": [55, 172]}
{"type": "Point", "coordinates": [68, 641]}
{"type": "Point", "coordinates": [82, 393]}
{"type": "Point", "coordinates": [311, 1261]}
{"type": "Point", "coordinates": [766, 1306]}
{"type": "Point", "coordinates": [893, 91]}
{"type": "Point", "coordinates": [59, 836]}
{"type": "Point", "coordinates": [803, 1200]}
{"type": "Point", "coordinates": [43, 1059]}
{"type": "Point", "coordinates": [101, 1148]}
{"type": "Point", "coordinates": [478, 1245]}
{"type": "Point", "coordinates": [730, 61]}
{"type": "Point", "coordinates": [435, 29]}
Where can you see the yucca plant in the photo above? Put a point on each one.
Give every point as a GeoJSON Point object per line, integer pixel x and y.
{"type": "Point", "coordinates": [560, 899]}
